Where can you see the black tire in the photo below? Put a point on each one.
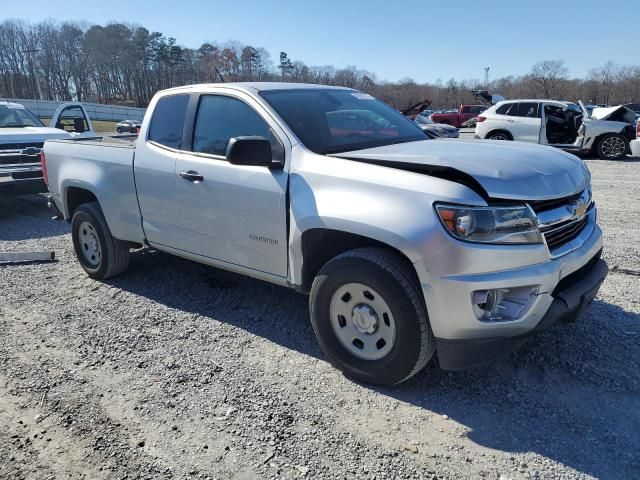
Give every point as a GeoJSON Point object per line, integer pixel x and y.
{"type": "Point", "coordinates": [390, 275]}
{"type": "Point", "coordinates": [500, 135]}
{"type": "Point", "coordinates": [114, 253]}
{"type": "Point", "coordinates": [612, 146]}
{"type": "Point", "coordinates": [119, 129]}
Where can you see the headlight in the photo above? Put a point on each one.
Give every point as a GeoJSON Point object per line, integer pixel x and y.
{"type": "Point", "coordinates": [512, 224]}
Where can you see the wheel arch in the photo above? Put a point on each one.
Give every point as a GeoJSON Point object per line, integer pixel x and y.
{"type": "Point", "coordinates": [499, 130]}
{"type": "Point", "coordinates": [595, 144]}
{"type": "Point", "coordinates": [319, 245]}
{"type": "Point", "coordinates": [76, 195]}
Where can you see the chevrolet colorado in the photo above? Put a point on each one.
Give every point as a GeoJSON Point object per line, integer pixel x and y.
{"type": "Point", "coordinates": [407, 247]}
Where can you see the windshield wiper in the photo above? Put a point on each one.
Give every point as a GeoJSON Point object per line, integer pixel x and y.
{"type": "Point", "coordinates": [15, 126]}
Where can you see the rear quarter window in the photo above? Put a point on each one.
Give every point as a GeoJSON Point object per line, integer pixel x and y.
{"type": "Point", "coordinates": [168, 120]}
{"type": "Point", "coordinates": [507, 109]}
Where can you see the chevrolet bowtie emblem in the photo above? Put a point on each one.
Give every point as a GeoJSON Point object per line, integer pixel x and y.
{"type": "Point", "coordinates": [579, 208]}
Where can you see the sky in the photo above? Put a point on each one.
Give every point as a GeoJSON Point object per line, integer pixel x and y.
{"type": "Point", "coordinates": [424, 40]}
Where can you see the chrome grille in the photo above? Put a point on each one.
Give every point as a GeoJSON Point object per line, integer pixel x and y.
{"type": "Point", "coordinates": [562, 220]}
{"type": "Point", "coordinates": [558, 235]}
{"type": "Point", "coordinates": [10, 157]}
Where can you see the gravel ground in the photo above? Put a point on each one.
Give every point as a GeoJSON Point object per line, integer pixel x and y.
{"type": "Point", "coordinates": [176, 370]}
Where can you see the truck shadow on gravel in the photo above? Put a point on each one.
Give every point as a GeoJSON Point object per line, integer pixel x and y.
{"type": "Point", "coordinates": [26, 217]}
{"type": "Point", "coordinates": [571, 395]}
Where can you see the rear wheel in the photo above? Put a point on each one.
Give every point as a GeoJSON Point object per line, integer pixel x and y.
{"type": "Point", "coordinates": [99, 254]}
{"type": "Point", "coordinates": [119, 129]}
{"type": "Point", "coordinates": [499, 136]}
{"type": "Point", "coordinates": [369, 317]}
{"type": "Point", "coordinates": [612, 146]}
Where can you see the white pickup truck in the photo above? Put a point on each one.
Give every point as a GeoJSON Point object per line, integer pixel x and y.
{"type": "Point", "coordinates": [406, 245]}
{"type": "Point", "coordinates": [22, 135]}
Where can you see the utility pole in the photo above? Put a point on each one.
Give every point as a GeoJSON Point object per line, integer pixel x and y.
{"type": "Point", "coordinates": [486, 77]}
{"type": "Point", "coordinates": [34, 70]}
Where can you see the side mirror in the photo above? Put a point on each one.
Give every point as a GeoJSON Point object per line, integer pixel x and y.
{"type": "Point", "coordinates": [251, 151]}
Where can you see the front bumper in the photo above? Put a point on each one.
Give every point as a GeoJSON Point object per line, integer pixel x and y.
{"type": "Point", "coordinates": [21, 180]}
{"type": "Point", "coordinates": [456, 270]}
{"type": "Point", "coordinates": [576, 292]}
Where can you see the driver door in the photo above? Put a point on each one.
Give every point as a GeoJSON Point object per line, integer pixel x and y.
{"type": "Point", "coordinates": [232, 213]}
{"type": "Point", "coordinates": [73, 118]}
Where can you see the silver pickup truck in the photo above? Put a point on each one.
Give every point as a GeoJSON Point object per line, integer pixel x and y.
{"type": "Point", "coordinates": [407, 246]}
{"type": "Point", "coordinates": [22, 135]}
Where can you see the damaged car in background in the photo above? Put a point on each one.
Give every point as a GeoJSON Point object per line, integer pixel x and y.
{"type": "Point", "coordinates": [439, 129]}
{"type": "Point", "coordinates": [22, 135]}
{"type": "Point", "coordinates": [605, 132]}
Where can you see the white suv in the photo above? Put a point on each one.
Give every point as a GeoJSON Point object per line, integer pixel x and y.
{"type": "Point", "coordinates": [606, 132]}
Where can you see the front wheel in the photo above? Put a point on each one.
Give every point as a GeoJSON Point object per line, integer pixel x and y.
{"type": "Point", "coordinates": [100, 255]}
{"type": "Point", "coordinates": [612, 146]}
{"type": "Point", "coordinates": [369, 317]}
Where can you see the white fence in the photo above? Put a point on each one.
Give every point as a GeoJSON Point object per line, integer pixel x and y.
{"type": "Point", "coordinates": [96, 111]}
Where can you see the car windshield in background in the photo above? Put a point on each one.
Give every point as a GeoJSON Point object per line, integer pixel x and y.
{"type": "Point", "coordinates": [15, 117]}
{"type": "Point", "coordinates": [334, 121]}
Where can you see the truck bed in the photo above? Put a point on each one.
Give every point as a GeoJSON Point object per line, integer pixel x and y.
{"type": "Point", "coordinates": [102, 166]}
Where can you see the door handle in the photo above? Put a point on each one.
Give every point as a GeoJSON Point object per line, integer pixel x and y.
{"type": "Point", "coordinates": [192, 176]}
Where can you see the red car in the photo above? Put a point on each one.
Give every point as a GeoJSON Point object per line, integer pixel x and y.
{"type": "Point", "coordinates": [464, 113]}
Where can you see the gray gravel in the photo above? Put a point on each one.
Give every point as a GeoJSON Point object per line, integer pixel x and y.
{"type": "Point", "coordinates": [176, 370]}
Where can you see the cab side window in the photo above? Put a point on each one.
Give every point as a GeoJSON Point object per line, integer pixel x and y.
{"type": "Point", "coordinates": [220, 118]}
{"type": "Point", "coordinates": [528, 109]}
{"type": "Point", "coordinates": [168, 120]}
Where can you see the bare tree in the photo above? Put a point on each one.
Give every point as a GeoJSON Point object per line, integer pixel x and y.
{"type": "Point", "coordinates": [121, 63]}
{"type": "Point", "coordinates": [548, 78]}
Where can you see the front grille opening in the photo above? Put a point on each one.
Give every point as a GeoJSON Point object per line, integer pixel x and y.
{"type": "Point", "coordinates": [544, 205]}
{"type": "Point", "coordinates": [21, 145]}
{"type": "Point", "coordinates": [559, 235]}
{"type": "Point", "coordinates": [18, 158]}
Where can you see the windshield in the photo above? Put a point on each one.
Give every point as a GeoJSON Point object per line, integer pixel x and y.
{"type": "Point", "coordinates": [574, 107]}
{"type": "Point", "coordinates": [15, 116]}
{"type": "Point", "coordinates": [334, 121]}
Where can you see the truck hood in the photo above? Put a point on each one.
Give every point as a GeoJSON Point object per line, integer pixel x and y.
{"type": "Point", "coordinates": [621, 113]}
{"type": "Point", "coordinates": [30, 134]}
{"type": "Point", "coordinates": [505, 170]}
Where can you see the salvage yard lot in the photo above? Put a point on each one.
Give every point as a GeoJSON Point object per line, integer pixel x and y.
{"type": "Point", "coordinates": [177, 370]}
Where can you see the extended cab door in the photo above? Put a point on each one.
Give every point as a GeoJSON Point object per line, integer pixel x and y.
{"type": "Point", "coordinates": [232, 213]}
{"type": "Point", "coordinates": [155, 169]}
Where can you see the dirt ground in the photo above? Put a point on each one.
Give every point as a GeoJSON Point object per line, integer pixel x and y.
{"type": "Point", "coordinates": [177, 370]}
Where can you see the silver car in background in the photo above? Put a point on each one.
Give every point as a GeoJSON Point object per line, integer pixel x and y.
{"type": "Point", "coordinates": [440, 129]}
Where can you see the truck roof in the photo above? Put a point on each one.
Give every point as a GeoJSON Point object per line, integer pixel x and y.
{"type": "Point", "coordinates": [533, 100]}
{"type": "Point", "coordinates": [253, 86]}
